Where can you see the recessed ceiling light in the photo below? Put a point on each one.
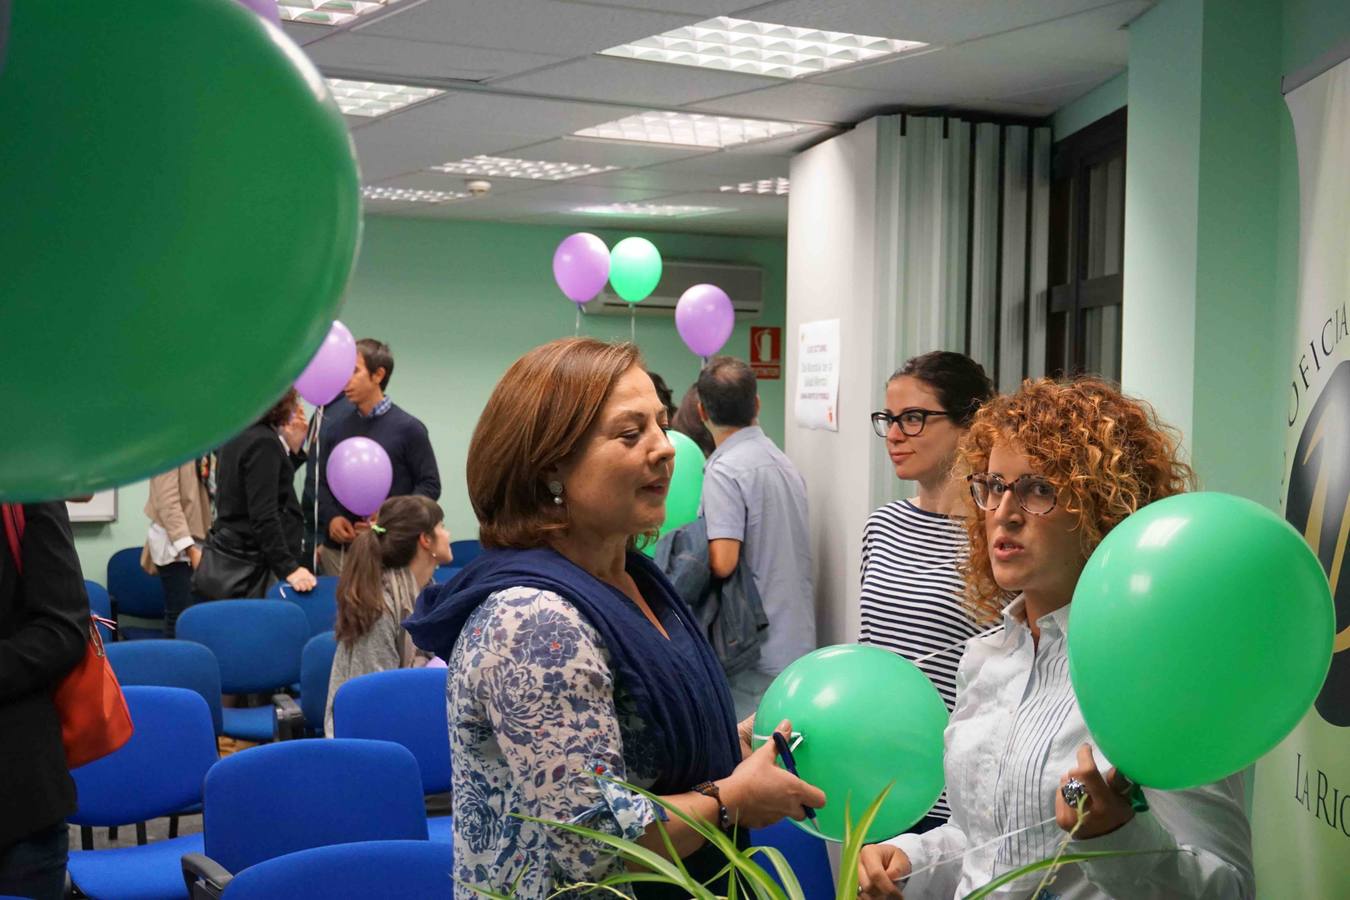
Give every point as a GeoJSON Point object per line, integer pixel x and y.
{"type": "Point", "coordinates": [763, 186]}
{"type": "Point", "coordinates": [410, 195]}
{"type": "Point", "coordinates": [327, 12]}
{"type": "Point", "coordinates": [504, 167]}
{"type": "Point", "coordinates": [690, 130]}
{"type": "Point", "coordinates": [649, 209]}
{"type": "Point", "coordinates": [760, 48]}
{"type": "Point", "coordinates": [371, 98]}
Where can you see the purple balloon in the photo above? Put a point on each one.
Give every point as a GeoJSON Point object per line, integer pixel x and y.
{"type": "Point", "coordinates": [265, 8]}
{"type": "Point", "coordinates": [581, 266]}
{"type": "Point", "coordinates": [359, 475]}
{"type": "Point", "coordinates": [331, 367]}
{"type": "Point", "coordinates": [704, 318]}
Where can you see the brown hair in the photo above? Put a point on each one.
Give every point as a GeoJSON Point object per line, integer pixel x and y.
{"type": "Point", "coordinates": [360, 590]}
{"type": "Point", "coordinates": [377, 355]}
{"type": "Point", "coordinates": [281, 411]}
{"type": "Point", "coordinates": [535, 419]}
{"type": "Point", "coordinates": [1107, 451]}
{"type": "Point", "coordinates": [687, 422]}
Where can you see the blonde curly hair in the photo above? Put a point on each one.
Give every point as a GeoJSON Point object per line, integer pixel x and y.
{"type": "Point", "coordinates": [1106, 451]}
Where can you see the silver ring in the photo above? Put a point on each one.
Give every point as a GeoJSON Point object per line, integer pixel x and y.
{"type": "Point", "coordinates": [1073, 792]}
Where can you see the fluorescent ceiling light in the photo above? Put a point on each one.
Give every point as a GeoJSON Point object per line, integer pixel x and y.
{"type": "Point", "coordinates": [763, 186]}
{"type": "Point", "coordinates": [760, 48]}
{"type": "Point", "coordinates": [327, 12]}
{"type": "Point", "coordinates": [504, 167]}
{"type": "Point", "coordinates": [649, 209]}
{"type": "Point", "coordinates": [410, 195]}
{"type": "Point", "coordinates": [690, 130]}
{"type": "Point", "coordinates": [371, 98]}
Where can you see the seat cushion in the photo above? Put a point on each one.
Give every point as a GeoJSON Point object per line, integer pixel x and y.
{"type": "Point", "coordinates": [151, 872]}
{"type": "Point", "coordinates": [255, 723]}
{"type": "Point", "coordinates": [441, 829]}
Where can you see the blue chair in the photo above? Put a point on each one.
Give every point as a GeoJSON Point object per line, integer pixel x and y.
{"type": "Point", "coordinates": [320, 604]}
{"type": "Point", "coordinates": [406, 706]}
{"type": "Point", "coordinates": [258, 645]}
{"type": "Point", "coordinates": [170, 663]}
{"type": "Point", "coordinates": [465, 552]}
{"type": "Point", "coordinates": [283, 798]}
{"type": "Point", "coordinates": [350, 872]}
{"type": "Point", "coordinates": [135, 592]}
{"type": "Point", "coordinates": [316, 665]}
{"type": "Point", "coordinates": [445, 571]}
{"type": "Point", "coordinates": [806, 854]}
{"type": "Point", "coordinates": [100, 604]}
{"type": "Point", "coordinates": [158, 772]}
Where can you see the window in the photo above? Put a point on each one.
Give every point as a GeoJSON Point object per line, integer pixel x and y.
{"type": "Point", "coordinates": [1087, 240]}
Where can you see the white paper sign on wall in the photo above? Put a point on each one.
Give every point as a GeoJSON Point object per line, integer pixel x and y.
{"type": "Point", "coordinates": [817, 404]}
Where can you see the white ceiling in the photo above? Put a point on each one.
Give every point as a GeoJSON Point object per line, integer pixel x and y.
{"type": "Point", "coordinates": [522, 75]}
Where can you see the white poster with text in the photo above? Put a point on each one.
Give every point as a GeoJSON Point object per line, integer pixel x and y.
{"type": "Point", "coordinates": [818, 375]}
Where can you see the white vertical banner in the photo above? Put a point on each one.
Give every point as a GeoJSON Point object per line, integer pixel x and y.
{"type": "Point", "coordinates": [1301, 809]}
{"type": "Point", "coordinates": [817, 403]}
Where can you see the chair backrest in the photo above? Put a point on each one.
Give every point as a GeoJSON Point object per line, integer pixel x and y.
{"type": "Point", "coordinates": [135, 591]}
{"type": "Point", "coordinates": [407, 706]}
{"type": "Point", "coordinates": [464, 552]}
{"type": "Point", "coordinates": [806, 854]}
{"type": "Point", "coordinates": [445, 571]}
{"type": "Point", "coordinates": [100, 604]}
{"type": "Point", "coordinates": [256, 642]}
{"type": "Point", "coordinates": [279, 798]}
{"type": "Point", "coordinates": [370, 869]}
{"type": "Point", "coordinates": [320, 604]}
{"type": "Point", "coordinates": [170, 663]}
{"type": "Point", "coordinates": [160, 770]}
{"type": "Point", "coordinates": [316, 665]}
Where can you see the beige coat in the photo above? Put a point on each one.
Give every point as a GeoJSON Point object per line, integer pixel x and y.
{"type": "Point", "coordinates": [179, 504]}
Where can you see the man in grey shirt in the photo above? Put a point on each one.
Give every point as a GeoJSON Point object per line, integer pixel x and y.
{"type": "Point", "coordinates": [754, 501]}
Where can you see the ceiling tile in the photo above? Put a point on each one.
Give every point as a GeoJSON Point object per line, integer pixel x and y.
{"type": "Point", "coordinates": [361, 51]}
{"type": "Point", "coordinates": [604, 153]}
{"type": "Point", "coordinates": [632, 81]}
{"type": "Point", "coordinates": [704, 8]}
{"type": "Point", "coordinates": [815, 102]}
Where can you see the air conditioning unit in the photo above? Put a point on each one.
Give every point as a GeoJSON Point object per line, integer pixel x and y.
{"type": "Point", "coordinates": [743, 283]}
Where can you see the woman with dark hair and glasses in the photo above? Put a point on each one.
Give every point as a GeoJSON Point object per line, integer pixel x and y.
{"type": "Point", "coordinates": [912, 549]}
{"type": "Point", "coordinates": [1053, 468]}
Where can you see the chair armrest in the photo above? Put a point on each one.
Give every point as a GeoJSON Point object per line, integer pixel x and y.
{"type": "Point", "coordinates": [288, 722]}
{"type": "Point", "coordinates": [206, 879]}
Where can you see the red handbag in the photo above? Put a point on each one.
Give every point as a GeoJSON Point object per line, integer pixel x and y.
{"type": "Point", "coordinates": [95, 720]}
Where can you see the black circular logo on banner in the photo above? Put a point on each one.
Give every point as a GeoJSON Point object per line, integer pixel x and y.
{"type": "Point", "coordinates": [1318, 505]}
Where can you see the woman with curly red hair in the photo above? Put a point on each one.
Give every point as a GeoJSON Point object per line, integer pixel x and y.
{"type": "Point", "coordinates": [1052, 469]}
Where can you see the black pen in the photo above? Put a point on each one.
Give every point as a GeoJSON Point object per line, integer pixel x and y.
{"type": "Point", "coordinates": [780, 744]}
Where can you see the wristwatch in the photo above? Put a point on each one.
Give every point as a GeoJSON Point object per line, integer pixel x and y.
{"type": "Point", "coordinates": [709, 789]}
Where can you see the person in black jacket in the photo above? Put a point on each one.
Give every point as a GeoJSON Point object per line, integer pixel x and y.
{"type": "Point", "coordinates": [401, 435]}
{"type": "Point", "coordinates": [257, 511]}
{"type": "Point", "coordinates": [44, 616]}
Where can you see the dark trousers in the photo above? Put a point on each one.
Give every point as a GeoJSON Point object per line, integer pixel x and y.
{"type": "Point", "coordinates": [36, 866]}
{"type": "Point", "coordinates": [177, 581]}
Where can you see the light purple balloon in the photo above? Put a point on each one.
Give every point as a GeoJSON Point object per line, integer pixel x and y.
{"type": "Point", "coordinates": [704, 318]}
{"type": "Point", "coordinates": [359, 474]}
{"type": "Point", "coordinates": [581, 266]}
{"type": "Point", "coordinates": [331, 367]}
{"type": "Point", "coordinates": [265, 8]}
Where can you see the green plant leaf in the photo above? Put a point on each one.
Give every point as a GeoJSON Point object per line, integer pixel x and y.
{"type": "Point", "coordinates": [855, 835]}
{"type": "Point", "coordinates": [631, 852]}
{"type": "Point", "coordinates": [791, 886]}
{"type": "Point", "coordinates": [1040, 865]}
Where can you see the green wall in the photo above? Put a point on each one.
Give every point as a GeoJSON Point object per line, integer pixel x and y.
{"type": "Point", "coordinates": [1101, 101]}
{"type": "Point", "coordinates": [458, 302]}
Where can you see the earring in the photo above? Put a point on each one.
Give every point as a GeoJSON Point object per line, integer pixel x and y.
{"type": "Point", "coordinates": [556, 489]}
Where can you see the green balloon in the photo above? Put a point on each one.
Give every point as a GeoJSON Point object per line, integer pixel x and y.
{"type": "Point", "coordinates": [634, 268]}
{"type": "Point", "coordinates": [1200, 634]}
{"type": "Point", "coordinates": [868, 717]}
{"type": "Point", "coordinates": [181, 212]}
{"type": "Point", "coordinates": [686, 483]}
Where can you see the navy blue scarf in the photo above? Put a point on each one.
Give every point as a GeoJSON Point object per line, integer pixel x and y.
{"type": "Point", "coordinates": [683, 697]}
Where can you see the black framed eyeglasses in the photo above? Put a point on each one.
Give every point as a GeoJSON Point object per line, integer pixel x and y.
{"type": "Point", "coordinates": [911, 421]}
{"type": "Point", "coordinates": [1033, 493]}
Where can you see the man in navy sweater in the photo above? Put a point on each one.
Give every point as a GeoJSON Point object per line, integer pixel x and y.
{"type": "Point", "coordinates": [401, 435]}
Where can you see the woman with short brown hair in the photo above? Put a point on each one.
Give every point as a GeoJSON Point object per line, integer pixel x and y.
{"type": "Point", "coordinates": [571, 656]}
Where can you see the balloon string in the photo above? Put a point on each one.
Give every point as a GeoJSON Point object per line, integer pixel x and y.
{"type": "Point", "coordinates": [576, 330]}
{"type": "Point", "coordinates": [957, 645]}
{"type": "Point", "coordinates": [969, 850]}
{"type": "Point", "coordinates": [632, 323]}
{"type": "Point", "coordinates": [318, 473]}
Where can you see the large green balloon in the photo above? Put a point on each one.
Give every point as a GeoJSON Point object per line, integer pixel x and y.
{"type": "Point", "coordinates": [686, 483]}
{"type": "Point", "coordinates": [868, 717]}
{"type": "Point", "coordinates": [1199, 635]}
{"type": "Point", "coordinates": [180, 216]}
{"type": "Point", "coordinates": [634, 268]}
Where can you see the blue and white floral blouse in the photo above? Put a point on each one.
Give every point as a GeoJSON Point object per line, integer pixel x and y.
{"type": "Point", "coordinates": [533, 712]}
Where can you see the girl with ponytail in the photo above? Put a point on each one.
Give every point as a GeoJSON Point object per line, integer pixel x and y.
{"type": "Point", "coordinates": [385, 568]}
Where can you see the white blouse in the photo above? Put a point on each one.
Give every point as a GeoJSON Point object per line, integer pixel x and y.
{"type": "Point", "coordinates": [1014, 733]}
